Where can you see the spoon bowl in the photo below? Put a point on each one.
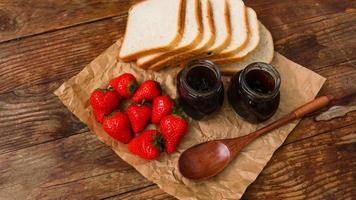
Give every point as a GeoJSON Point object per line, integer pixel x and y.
{"type": "Point", "coordinates": [213, 157]}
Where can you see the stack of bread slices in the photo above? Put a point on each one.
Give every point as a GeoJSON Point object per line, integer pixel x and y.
{"type": "Point", "coordinates": [162, 33]}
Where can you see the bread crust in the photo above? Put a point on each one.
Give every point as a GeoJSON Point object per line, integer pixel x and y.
{"type": "Point", "coordinates": [229, 70]}
{"type": "Point", "coordinates": [169, 46]}
{"type": "Point", "coordinates": [195, 42]}
{"type": "Point", "coordinates": [159, 64]}
{"type": "Point", "coordinates": [200, 54]}
{"type": "Point", "coordinates": [233, 58]}
{"type": "Point", "coordinates": [228, 27]}
{"type": "Point", "coordinates": [212, 31]}
{"type": "Point", "coordinates": [198, 17]}
{"type": "Point", "coordinates": [233, 52]}
{"type": "Point", "coordinates": [269, 48]}
{"type": "Point", "coordinates": [190, 54]}
{"type": "Point", "coordinates": [264, 51]}
{"type": "Point", "coordinates": [238, 61]}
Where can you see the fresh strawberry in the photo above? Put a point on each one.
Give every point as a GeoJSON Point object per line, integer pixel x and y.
{"type": "Point", "coordinates": [118, 127]}
{"type": "Point", "coordinates": [173, 127]}
{"type": "Point", "coordinates": [124, 84]}
{"type": "Point", "coordinates": [139, 116]}
{"type": "Point", "coordinates": [161, 107]}
{"type": "Point", "coordinates": [148, 145]}
{"type": "Point", "coordinates": [103, 102]}
{"type": "Point", "coordinates": [99, 116]}
{"type": "Point", "coordinates": [147, 91]}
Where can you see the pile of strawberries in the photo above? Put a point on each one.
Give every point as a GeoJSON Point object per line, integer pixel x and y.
{"type": "Point", "coordinates": [147, 105]}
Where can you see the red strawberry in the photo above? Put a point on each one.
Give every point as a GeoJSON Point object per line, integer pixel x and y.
{"type": "Point", "coordinates": [118, 127]}
{"type": "Point", "coordinates": [139, 116]}
{"type": "Point", "coordinates": [104, 102]}
{"type": "Point", "coordinates": [99, 116]}
{"type": "Point", "coordinates": [173, 127]}
{"type": "Point", "coordinates": [148, 145]}
{"type": "Point", "coordinates": [161, 107]}
{"type": "Point", "coordinates": [124, 84]}
{"type": "Point", "coordinates": [147, 91]}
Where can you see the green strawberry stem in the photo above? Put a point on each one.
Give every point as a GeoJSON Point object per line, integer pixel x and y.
{"type": "Point", "coordinates": [177, 110]}
{"type": "Point", "coordinates": [158, 141]}
{"type": "Point", "coordinates": [132, 88]}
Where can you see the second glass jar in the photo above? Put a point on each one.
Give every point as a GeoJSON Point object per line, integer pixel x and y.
{"type": "Point", "coordinates": [254, 92]}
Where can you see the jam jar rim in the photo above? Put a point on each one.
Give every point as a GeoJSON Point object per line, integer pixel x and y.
{"type": "Point", "coordinates": [267, 68]}
{"type": "Point", "coordinates": [197, 63]}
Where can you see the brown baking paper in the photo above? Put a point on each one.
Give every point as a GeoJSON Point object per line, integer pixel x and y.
{"type": "Point", "coordinates": [299, 85]}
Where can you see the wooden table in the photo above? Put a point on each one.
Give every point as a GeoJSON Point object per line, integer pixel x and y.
{"type": "Point", "coordinates": [46, 152]}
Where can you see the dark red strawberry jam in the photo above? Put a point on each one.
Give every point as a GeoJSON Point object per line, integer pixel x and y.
{"type": "Point", "coordinates": [200, 88]}
{"type": "Point", "coordinates": [254, 92]}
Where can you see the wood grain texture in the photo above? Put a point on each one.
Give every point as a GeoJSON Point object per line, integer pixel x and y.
{"type": "Point", "coordinates": [28, 17]}
{"type": "Point", "coordinates": [319, 42]}
{"type": "Point", "coordinates": [66, 168]}
{"type": "Point", "coordinates": [285, 12]}
{"type": "Point", "coordinates": [150, 192]}
{"type": "Point", "coordinates": [321, 167]}
{"type": "Point", "coordinates": [55, 55]}
{"type": "Point", "coordinates": [46, 153]}
{"type": "Point", "coordinates": [33, 116]}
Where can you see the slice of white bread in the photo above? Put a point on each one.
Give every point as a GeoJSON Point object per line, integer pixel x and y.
{"type": "Point", "coordinates": [253, 40]}
{"type": "Point", "coordinates": [221, 18]}
{"type": "Point", "coordinates": [208, 28]}
{"type": "Point", "coordinates": [192, 35]}
{"type": "Point", "coordinates": [152, 26]}
{"type": "Point", "coordinates": [208, 39]}
{"type": "Point", "coordinates": [263, 53]}
{"type": "Point", "coordinates": [239, 29]}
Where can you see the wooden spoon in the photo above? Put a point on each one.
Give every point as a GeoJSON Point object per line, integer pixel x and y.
{"type": "Point", "coordinates": [208, 159]}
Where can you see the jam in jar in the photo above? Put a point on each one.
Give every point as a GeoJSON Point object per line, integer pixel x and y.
{"type": "Point", "coordinates": [200, 88]}
{"type": "Point", "coordinates": [254, 92]}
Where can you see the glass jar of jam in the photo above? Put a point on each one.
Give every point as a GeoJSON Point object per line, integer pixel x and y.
{"type": "Point", "coordinates": [254, 92]}
{"type": "Point", "coordinates": [200, 88]}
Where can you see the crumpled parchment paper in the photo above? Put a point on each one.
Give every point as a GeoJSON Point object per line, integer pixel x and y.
{"type": "Point", "coordinates": [299, 85]}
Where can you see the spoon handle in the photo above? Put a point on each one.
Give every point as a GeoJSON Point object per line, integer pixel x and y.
{"type": "Point", "coordinates": [238, 143]}
{"type": "Point", "coordinates": [312, 106]}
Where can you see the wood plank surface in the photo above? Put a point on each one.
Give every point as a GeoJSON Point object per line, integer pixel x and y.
{"type": "Point", "coordinates": [33, 116]}
{"type": "Point", "coordinates": [46, 153]}
{"type": "Point", "coordinates": [320, 167]}
{"type": "Point", "coordinates": [55, 55]}
{"type": "Point", "coordinates": [149, 192]}
{"type": "Point", "coordinates": [60, 168]}
{"type": "Point", "coordinates": [22, 18]}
